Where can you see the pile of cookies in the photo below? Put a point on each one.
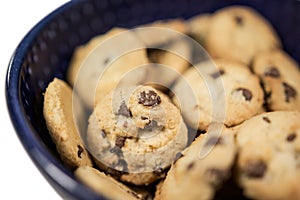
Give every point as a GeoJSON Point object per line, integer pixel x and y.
{"type": "Point", "coordinates": [163, 122]}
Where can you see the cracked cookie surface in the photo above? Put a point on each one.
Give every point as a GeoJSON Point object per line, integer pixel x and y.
{"type": "Point", "coordinates": [135, 133]}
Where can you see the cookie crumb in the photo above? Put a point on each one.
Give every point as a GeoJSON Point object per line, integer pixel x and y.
{"type": "Point", "coordinates": [255, 169]}
{"type": "Point", "coordinates": [272, 72]}
{"type": "Point", "coordinates": [289, 92]}
{"type": "Point", "coordinates": [150, 98]}
{"type": "Point", "coordinates": [291, 137]}
{"type": "Point", "coordinates": [80, 151]}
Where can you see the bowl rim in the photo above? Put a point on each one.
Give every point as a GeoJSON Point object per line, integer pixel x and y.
{"type": "Point", "coordinates": [54, 172]}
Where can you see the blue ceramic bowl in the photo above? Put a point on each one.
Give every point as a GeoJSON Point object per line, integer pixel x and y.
{"type": "Point", "coordinates": [45, 51]}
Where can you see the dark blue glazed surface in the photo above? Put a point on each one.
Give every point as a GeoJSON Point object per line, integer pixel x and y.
{"type": "Point", "coordinates": [45, 52]}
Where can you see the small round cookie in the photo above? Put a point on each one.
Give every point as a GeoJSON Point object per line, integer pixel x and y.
{"type": "Point", "coordinates": [198, 27]}
{"type": "Point", "coordinates": [238, 33]}
{"type": "Point", "coordinates": [59, 116]}
{"type": "Point", "coordinates": [160, 32]}
{"type": "Point", "coordinates": [106, 61]}
{"type": "Point", "coordinates": [225, 92]}
{"type": "Point", "coordinates": [169, 62]}
{"type": "Point", "coordinates": [194, 176]}
{"type": "Point", "coordinates": [280, 76]}
{"type": "Point", "coordinates": [83, 51]}
{"type": "Point", "coordinates": [104, 184]}
{"type": "Point", "coordinates": [268, 160]}
{"type": "Point", "coordinates": [134, 134]}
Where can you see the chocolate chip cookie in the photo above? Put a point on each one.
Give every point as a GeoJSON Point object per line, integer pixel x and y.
{"type": "Point", "coordinates": [104, 184]}
{"type": "Point", "coordinates": [223, 91]}
{"type": "Point", "coordinates": [280, 77]}
{"type": "Point", "coordinates": [169, 62]}
{"type": "Point", "coordinates": [160, 32]}
{"type": "Point", "coordinates": [83, 51]}
{"type": "Point", "coordinates": [239, 33]}
{"type": "Point", "coordinates": [196, 175]}
{"type": "Point", "coordinates": [268, 160]}
{"type": "Point", "coordinates": [59, 103]}
{"type": "Point", "coordinates": [112, 59]}
{"type": "Point", "coordinates": [134, 134]}
{"type": "Point", "coordinates": [198, 27]}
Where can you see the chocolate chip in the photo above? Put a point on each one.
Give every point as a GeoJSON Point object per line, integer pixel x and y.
{"type": "Point", "coordinates": [217, 74]}
{"type": "Point", "coordinates": [144, 118]}
{"type": "Point", "coordinates": [190, 166]}
{"type": "Point", "coordinates": [150, 98]}
{"type": "Point", "coordinates": [80, 151]}
{"type": "Point", "coordinates": [217, 176]}
{"type": "Point", "coordinates": [289, 92]}
{"type": "Point", "coordinates": [255, 169]}
{"type": "Point", "coordinates": [266, 119]}
{"type": "Point", "coordinates": [272, 72]}
{"type": "Point", "coordinates": [124, 110]}
{"type": "Point", "coordinates": [246, 93]}
{"type": "Point", "coordinates": [120, 141]}
{"type": "Point", "coordinates": [177, 157]}
{"type": "Point", "coordinates": [291, 137]}
{"type": "Point", "coordinates": [239, 20]}
{"type": "Point", "coordinates": [214, 141]}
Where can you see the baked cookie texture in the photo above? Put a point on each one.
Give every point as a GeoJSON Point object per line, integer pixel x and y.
{"type": "Point", "coordinates": [134, 133]}
{"type": "Point", "coordinates": [59, 116]}
{"type": "Point", "coordinates": [239, 33]}
{"type": "Point", "coordinates": [104, 184]}
{"type": "Point", "coordinates": [196, 175]}
{"type": "Point", "coordinates": [107, 61]}
{"type": "Point", "coordinates": [160, 32]}
{"type": "Point", "coordinates": [223, 91]}
{"type": "Point", "coordinates": [268, 160]}
{"type": "Point", "coordinates": [280, 76]}
{"type": "Point", "coordinates": [170, 61]}
{"type": "Point", "coordinates": [83, 51]}
{"type": "Point", "coordinates": [198, 27]}
{"type": "Point", "coordinates": [138, 138]}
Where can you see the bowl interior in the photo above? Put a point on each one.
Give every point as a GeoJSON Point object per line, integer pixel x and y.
{"type": "Point", "coordinates": [49, 46]}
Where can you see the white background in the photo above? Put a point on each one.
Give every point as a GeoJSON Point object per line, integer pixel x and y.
{"type": "Point", "coordinates": [19, 178]}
